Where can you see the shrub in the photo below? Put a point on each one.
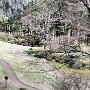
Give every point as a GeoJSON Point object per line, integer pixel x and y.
{"type": "Point", "coordinates": [22, 89]}
{"type": "Point", "coordinates": [77, 65]}
{"type": "Point", "coordinates": [73, 81]}
{"type": "Point", "coordinates": [6, 37]}
{"type": "Point", "coordinates": [71, 63]}
{"type": "Point", "coordinates": [33, 40]}
{"type": "Point", "coordinates": [42, 54]}
{"type": "Point", "coordinates": [56, 57]}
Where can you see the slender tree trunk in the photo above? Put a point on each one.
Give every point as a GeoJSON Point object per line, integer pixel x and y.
{"type": "Point", "coordinates": [87, 5]}
{"type": "Point", "coordinates": [69, 36]}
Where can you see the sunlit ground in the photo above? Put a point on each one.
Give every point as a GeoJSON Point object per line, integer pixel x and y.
{"type": "Point", "coordinates": [24, 69]}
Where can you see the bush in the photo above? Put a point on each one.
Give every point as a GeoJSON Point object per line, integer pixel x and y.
{"type": "Point", "coordinates": [42, 54]}
{"type": "Point", "coordinates": [71, 63]}
{"type": "Point", "coordinates": [6, 37]}
{"type": "Point", "coordinates": [22, 89]}
{"type": "Point", "coordinates": [56, 57]}
{"type": "Point", "coordinates": [77, 65]}
{"type": "Point", "coordinates": [33, 41]}
{"type": "Point", "coordinates": [49, 58]}
{"type": "Point", "coordinates": [73, 81]}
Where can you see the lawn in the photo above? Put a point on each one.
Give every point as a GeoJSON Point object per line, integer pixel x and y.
{"type": "Point", "coordinates": [25, 71]}
{"type": "Point", "coordinates": [9, 85]}
{"type": "Point", "coordinates": [65, 68]}
{"type": "Point", "coordinates": [2, 73]}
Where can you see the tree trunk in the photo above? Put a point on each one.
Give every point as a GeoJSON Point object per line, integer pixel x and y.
{"type": "Point", "coordinates": [69, 36]}
{"type": "Point", "coordinates": [87, 5]}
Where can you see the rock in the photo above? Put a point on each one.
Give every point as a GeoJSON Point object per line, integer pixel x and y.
{"type": "Point", "coordinates": [30, 48]}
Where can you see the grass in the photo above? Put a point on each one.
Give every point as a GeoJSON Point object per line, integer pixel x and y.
{"type": "Point", "coordinates": [22, 69]}
{"type": "Point", "coordinates": [38, 48]}
{"type": "Point", "coordinates": [66, 69]}
{"type": "Point", "coordinates": [58, 65]}
{"type": "Point", "coordinates": [9, 85]}
{"type": "Point", "coordinates": [5, 37]}
{"type": "Point", "coordinates": [30, 52]}
{"type": "Point", "coordinates": [2, 73]}
{"type": "Point", "coordinates": [34, 50]}
{"type": "Point", "coordinates": [38, 2]}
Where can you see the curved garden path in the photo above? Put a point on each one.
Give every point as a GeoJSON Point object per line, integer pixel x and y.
{"type": "Point", "coordinates": [12, 55]}
{"type": "Point", "coordinates": [13, 78]}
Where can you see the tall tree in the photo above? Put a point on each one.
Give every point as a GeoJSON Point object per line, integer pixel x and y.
{"type": "Point", "coordinates": [87, 5]}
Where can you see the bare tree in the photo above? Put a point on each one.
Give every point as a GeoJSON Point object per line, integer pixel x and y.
{"type": "Point", "coordinates": [73, 81]}
{"type": "Point", "coordinates": [87, 5]}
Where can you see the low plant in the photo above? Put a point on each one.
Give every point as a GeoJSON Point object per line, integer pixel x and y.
{"type": "Point", "coordinates": [22, 89]}
{"type": "Point", "coordinates": [30, 52]}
